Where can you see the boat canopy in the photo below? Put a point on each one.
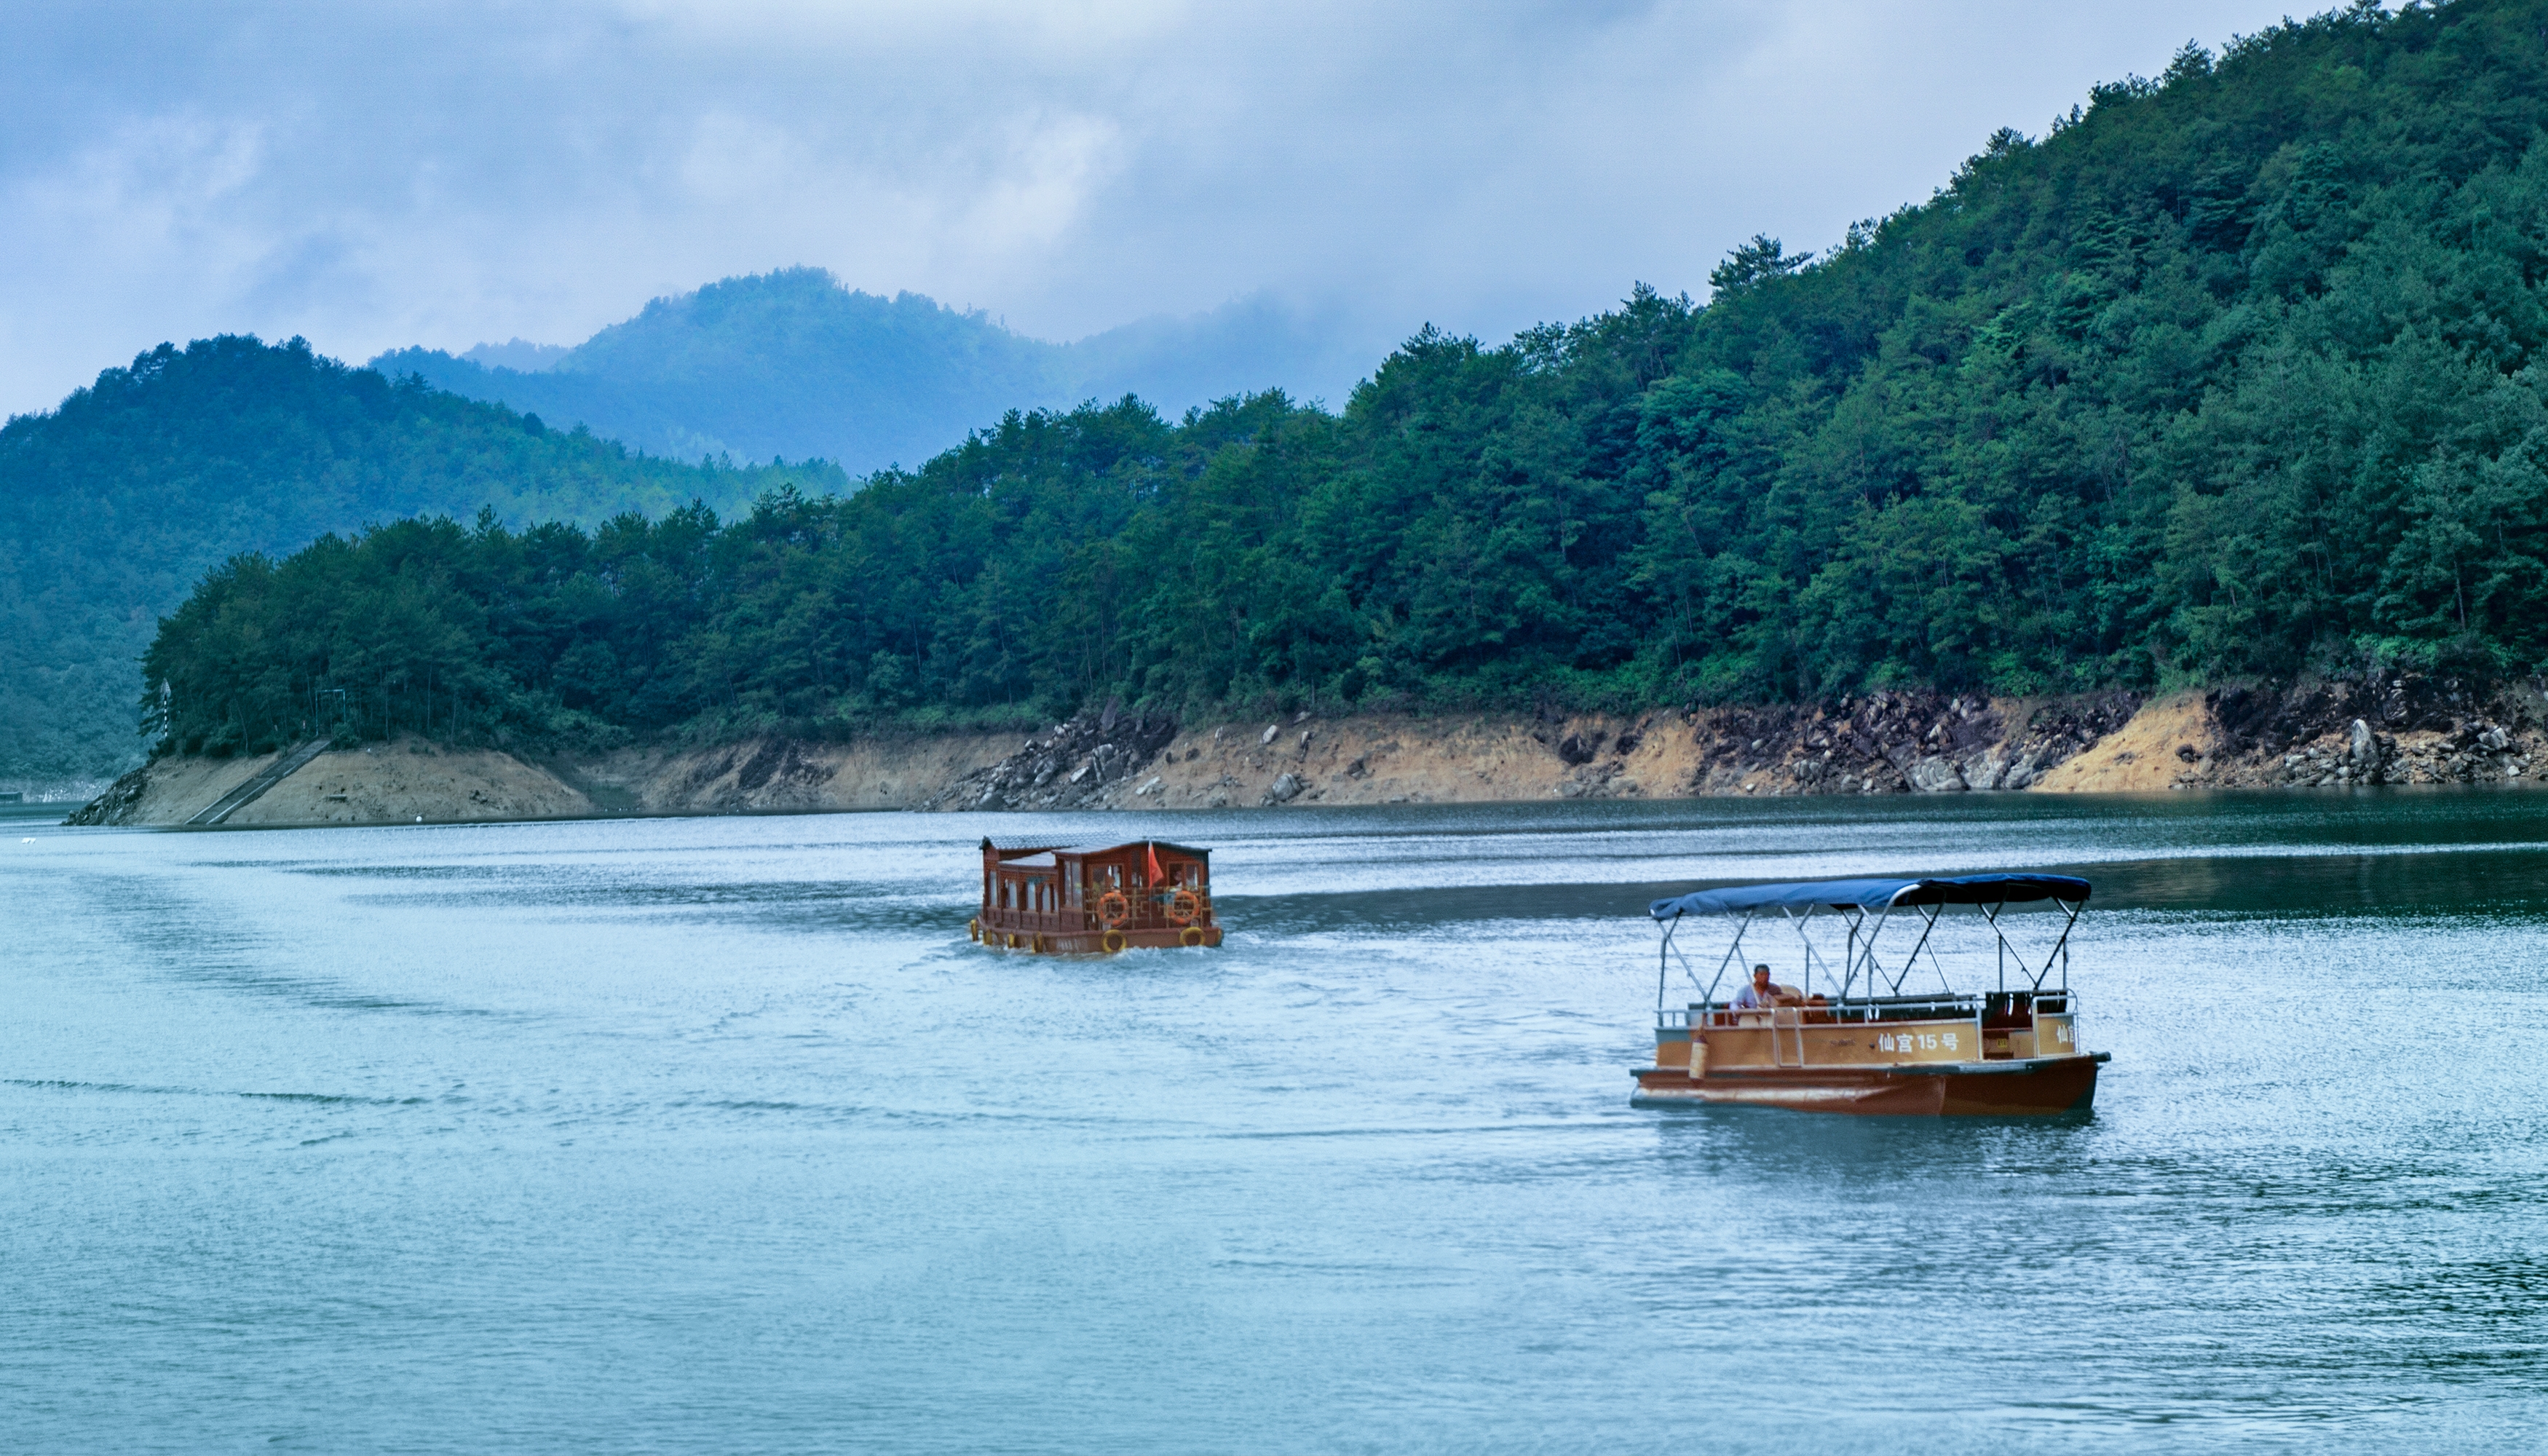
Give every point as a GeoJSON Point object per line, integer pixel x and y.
{"type": "Point", "coordinates": [1875, 894]}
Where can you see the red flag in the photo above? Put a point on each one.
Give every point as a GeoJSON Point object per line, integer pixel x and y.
{"type": "Point", "coordinates": [1156, 876]}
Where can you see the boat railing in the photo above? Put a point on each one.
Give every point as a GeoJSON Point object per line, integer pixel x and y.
{"type": "Point", "coordinates": [1149, 911]}
{"type": "Point", "coordinates": [1040, 922]}
{"type": "Point", "coordinates": [1991, 1010]}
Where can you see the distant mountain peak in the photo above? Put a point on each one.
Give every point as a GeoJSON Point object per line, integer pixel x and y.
{"type": "Point", "coordinates": [792, 363]}
{"type": "Point", "coordinates": [519, 355]}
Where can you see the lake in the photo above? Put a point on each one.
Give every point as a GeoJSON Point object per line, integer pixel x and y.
{"type": "Point", "coordinates": [716, 1134]}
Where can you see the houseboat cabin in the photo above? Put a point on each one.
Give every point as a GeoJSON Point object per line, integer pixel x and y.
{"type": "Point", "coordinates": [1063, 899]}
{"type": "Point", "coordinates": [1848, 1031]}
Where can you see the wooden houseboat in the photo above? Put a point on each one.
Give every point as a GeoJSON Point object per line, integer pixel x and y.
{"type": "Point", "coordinates": [1061, 899]}
{"type": "Point", "coordinates": [1864, 1045]}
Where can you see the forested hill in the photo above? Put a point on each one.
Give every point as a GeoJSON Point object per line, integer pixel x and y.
{"type": "Point", "coordinates": [790, 363]}
{"type": "Point", "coordinates": [2230, 373]}
{"type": "Point", "coordinates": [114, 506]}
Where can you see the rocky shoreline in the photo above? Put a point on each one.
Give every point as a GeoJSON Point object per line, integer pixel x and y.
{"type": "Point", "coordinates": [2399, 730]}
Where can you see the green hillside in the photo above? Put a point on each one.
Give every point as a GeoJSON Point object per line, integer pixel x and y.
{"type": "Point", "coordinates": [114, 506]}
{"type": "Point", "coordinates": [2229, 374]}
{"type": "Point", "coordinates": [790, 363]}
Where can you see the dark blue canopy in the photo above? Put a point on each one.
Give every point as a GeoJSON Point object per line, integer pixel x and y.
{"type": "Point", "coordinates": [1875, 894]}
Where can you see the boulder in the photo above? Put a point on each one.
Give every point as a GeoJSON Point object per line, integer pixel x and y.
{"type": "Point", "coordinates": [1936, 775]}
{"type": "Point", "coordinates": [1986, 769]}
{"type": "Point", "coordinates": [2361, 750]}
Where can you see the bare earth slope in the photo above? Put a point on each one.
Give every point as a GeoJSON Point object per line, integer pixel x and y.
{"type": "Point", "coordinates": [397, 782]}
{"type": "Point", "coordinates": [2403, 731]}
{"type": "Point", "coordinates": [411, 779]}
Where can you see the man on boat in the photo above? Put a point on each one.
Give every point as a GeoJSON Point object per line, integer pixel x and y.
{"type": "Point", "coordinates": [1763, 993]}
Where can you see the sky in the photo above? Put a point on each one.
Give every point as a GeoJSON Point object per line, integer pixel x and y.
{"type": "Point", "coordinates": [381, 175]}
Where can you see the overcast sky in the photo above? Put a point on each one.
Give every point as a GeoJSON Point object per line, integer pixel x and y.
{"type": "Point", "coordinates": [372, 176]}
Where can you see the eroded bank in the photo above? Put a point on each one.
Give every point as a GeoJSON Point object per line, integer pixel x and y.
{"type": "Point", "coordinates": [2370, 732]}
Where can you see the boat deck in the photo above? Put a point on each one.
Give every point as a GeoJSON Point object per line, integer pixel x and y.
{"type": "Point", "coordinates": [2001, 1054]}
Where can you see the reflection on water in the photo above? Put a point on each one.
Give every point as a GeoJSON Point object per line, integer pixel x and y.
{"type": "Point", "coordinates": [715, 1135]}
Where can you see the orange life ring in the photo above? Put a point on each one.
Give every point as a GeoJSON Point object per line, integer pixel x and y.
{"type": "Point", "coordinates": [1114, 909]}
{"type": "Point", "coordinates": [1185, 907]}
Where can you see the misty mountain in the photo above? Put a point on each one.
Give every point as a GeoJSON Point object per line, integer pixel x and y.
{"type": "Point", "coordinates": [792, 364]}
{"type": "Point", "coordinates": [114, 506]}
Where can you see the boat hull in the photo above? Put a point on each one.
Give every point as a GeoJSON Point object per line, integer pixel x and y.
{"type": "Point", "coordinates": [1094, 942]}
{"type": "Point", "coordinates": [2034, 1086]}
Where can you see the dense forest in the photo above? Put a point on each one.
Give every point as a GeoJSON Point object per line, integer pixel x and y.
{"type": "Point", "coordinates": [2229, 374]}
{"type": "Point", "coordinates": [115, 506]}
{"type": "Point", "coordinates": [790, 363]}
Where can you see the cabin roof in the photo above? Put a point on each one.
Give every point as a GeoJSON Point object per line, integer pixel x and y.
{"type": "Point", "coordinates": [1011, 853]}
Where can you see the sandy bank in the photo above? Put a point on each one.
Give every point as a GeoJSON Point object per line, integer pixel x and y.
{"type": "Point", "coordinates": [398, 783]}
{"type": "Point", "coordinates": [409, 780]}
{"type": "Point", "coordinates": [1892, 742]}
{"type": "Point", "coordinates": [1469, 758]}
{"type": "Point", "coordinates": [1881, 743]}
{"type": "Point", "coordinates": [780, 775]}
{"type": "Point", "coordinates": [2149, 751]}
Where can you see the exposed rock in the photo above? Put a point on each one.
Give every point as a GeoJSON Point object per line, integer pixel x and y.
{"type": "Point", "coordinates": [1607, 781]}
{"type": "Point", "coordinates": [1070, 766]}
{"type": "Point", "coordinates": [2400, 730]}
{"type": "Point", "coordinates": [116, 804]}
{"type": "Point", "coordinates": [2403, 728]}
{"type": "Point", "coordinates": [1877, 743]}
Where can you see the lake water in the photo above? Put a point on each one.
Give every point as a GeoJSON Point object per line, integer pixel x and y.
{"type": "Point", "coordinates": [714, 1134]}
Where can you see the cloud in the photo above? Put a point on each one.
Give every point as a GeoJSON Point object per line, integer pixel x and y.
{"type": "Point", "coordinates": [374, 176]}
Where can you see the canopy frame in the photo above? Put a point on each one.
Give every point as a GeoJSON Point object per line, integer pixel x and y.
{"type": "Point", "coordinates": [1849, 900]}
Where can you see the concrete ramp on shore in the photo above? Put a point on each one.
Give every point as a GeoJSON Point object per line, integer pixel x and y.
{"type": "Point", "coordinates": [286, 764]}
